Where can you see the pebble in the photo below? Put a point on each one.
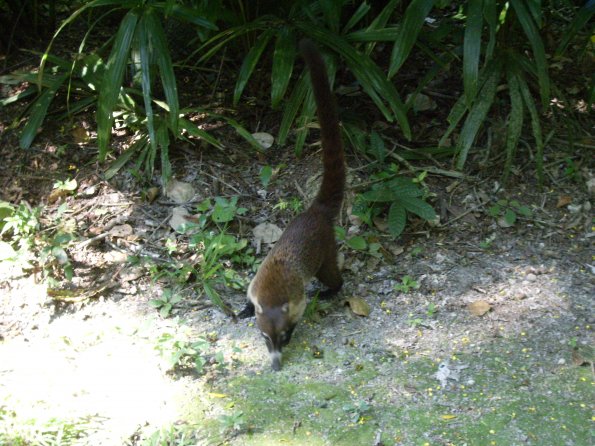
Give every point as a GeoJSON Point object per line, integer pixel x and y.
{"type": "Point", "coordinates": [531, 277]}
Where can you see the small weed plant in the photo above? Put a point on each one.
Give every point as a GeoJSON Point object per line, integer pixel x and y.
{"type": "Point", "coordinates": [234, 423]}
{"type": "Point", "coordinates": [166, 302]}
{"type": "Point", "coordinates": [205, 253]}
{"type": "Point", "coordinates": [396, 197]}
{"type": "Point", "coordinates": [356, 410]}
{"type": "Point", "coordinates": [316, 307]}
{"type": "Point", "coordinates": [37, 243]}
{"type": "Point", "coordinates": [294, 205]}
{"type": "Point", "coordinates": [508, 211]}
{"type": "Point", "coordinates": [180, 353]}
{"type": "Point", "coordinates": [407, 284]}
{"type": "Point", "coordinates": [367, 243]}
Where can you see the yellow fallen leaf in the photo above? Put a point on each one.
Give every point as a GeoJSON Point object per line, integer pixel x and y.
{"type": "Point", "coordinates": [563, 200]}
{"type": "Point", "coordinates": [80, 134]}
{"type": "Point", "coordinates": [448, 417]}
{"type": "Point", "coordinates": [217, 395]}
{"type": "Point", "coordinates": [479, 307]}
{"type": "Point", "coordinates": [151, 194]}
{"type": "Point", "coordinates": [358, 306]}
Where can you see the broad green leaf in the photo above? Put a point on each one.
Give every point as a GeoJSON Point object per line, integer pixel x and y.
{"type": "Point", "coordinates": [78, 106]}
{"type": "Point", "coordinates": [38, 112]}
{"type": "Point", "coordinates": [357, 242]}
{"type": "Point", "coordinates": [162, 135]}
{"type": "Point", "coordinates": [308, 110]}
{"type": "Point", "coordinates": [477, 116]}
{"type": "Point", "coordinates": [240, 130]}
{"type": "Point", "coordinates": [214, 297]}
{"type": "Point", "coordinates": [72, 18]}
{"type": "Point", "coordinates": [220, 40]}
{"type": "Point", "coordinates": [250, 62]}
{"type": "Point", "coordinates": [31, 90]}
{"type": "Point", "coordinates": [331, 10]}
{"type": "Point", "coordinates": [371, 78]}
{"type": "Point", "coordinates": [356, 137]}
{"type": "Point", "coordinates": [160, 51]}
{"type": "Point", "coordinates": [144, 48]}
{"type": "Point", "coordinates": [377, 148]}
{"type": "Point", "coordinates": [283, 61]}
{"type": "Point", "coordinates": [457, 112]}
{"type": "Point", "coordinates": [581, 18]}
{"type": "Point", "coordinates": [193, 130]}
{"type": "Point", "coordinates": [380, 195]}
{"type": "Point", "coordinates": [397, 218]}
{"type": "Point", "coordinates": [534, 7]}
{"type": "Point", "coordinates": [375, 35]}
{"type": "Point", "coordinates": [510, 217]}
{"type": "Point", "coordinates": [532, 33]}
{"type": "Point", "coordinates": [223, 212]}
{"type": "Point", "coordinates": [490, 14]}
{"type": "Point", "coordinates": [472, 48]}
{"type": "Point", "coordinates": [266, 172]}
{"type": "Point", "coordinates": [165, 309]}
{"type": "Point", "coordinates": [91, 70]}
{"type": "Point", "coordinates": [535, 126]}
{"type": "Point", "coordinates": [515, 122]}
{"type": "Point", "coordinates": [292, 107]}
{"type": "Point", "coordinates": [112, 81]}
{"type": "Point", "coordinates": [413, 20]}
{"type": "Point", "coordinates": [359, 14]}
{"type": "Point", "coordinates": [418, 207]}
{"type": "Point", "coordinates": [385, 15]}
{"type": "Point", "coordinates": [405, 187]}
{"type": "Point", "coordinates": [190, 15]}
{"type": "Point", "coordinates": [494, 211]}
{"type": "Point", "coordinates": [525, 211]}
{"type": "Point", "coordinates": [393, 190]}
{"type": "Point", "coordinates": [125, 157]}
{"type": "Point", "coordinates": [441, 64]}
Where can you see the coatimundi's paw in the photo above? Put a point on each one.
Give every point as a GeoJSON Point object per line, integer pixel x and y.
{"type": "Point", "coordinates": [247, 312]}
{"type": "Point", "coordinates": [329, 292]}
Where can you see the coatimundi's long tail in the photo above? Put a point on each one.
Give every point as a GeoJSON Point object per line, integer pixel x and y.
{"type": "Point", "coordinates": [307, 248]}
{"type": "Point", "coordinates": [331, 191]}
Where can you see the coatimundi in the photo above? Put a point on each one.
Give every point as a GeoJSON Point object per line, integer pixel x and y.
{"type": "Point", "coordinates": [307, 248]}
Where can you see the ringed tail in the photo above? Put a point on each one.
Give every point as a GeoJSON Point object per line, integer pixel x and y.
{"type": "Point", "coordinates": [330, 194]}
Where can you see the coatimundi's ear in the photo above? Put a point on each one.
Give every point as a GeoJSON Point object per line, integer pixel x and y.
{"type": "Point", "coordinates": [285, 307]}
{"type": "Point", "coordinates": [258, 308]}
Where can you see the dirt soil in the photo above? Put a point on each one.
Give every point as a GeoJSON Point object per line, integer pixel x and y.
{"type": "Point", "coordinates": [477, 334]}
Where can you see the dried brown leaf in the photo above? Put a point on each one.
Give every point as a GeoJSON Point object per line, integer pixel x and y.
{"type": "Point", "coordinates": [479, 307]}
{"type": "Point", "coordinates": [563, 200]}
{"type": "Point", "coordinates": [358, 306]}
{"type": "Point", "coordinates": [179, 191]}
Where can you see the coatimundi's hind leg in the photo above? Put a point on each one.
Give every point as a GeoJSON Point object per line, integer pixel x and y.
{"type": "Point", "coordinates": [247, 311]}
{"type": "Point", "coordinates": [329, 274]}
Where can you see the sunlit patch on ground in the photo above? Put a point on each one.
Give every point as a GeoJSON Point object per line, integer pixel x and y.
{"type": "Point", "coordinates": [102, 370]}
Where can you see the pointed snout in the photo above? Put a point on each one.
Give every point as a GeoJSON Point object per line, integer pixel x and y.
{"type": "Point", "coordinates": [275, 360]}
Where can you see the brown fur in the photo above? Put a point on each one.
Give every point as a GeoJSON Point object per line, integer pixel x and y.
{"type": "Point", "coordinates": [307, 248]}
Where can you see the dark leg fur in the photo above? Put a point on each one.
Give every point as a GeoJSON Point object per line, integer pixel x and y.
{"type": "Point", "coordinates": [329, 292]}
{"type": "Point", "coordinates": [330, 276]}
{"type": "Point", "coordinates": [247, 312]}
